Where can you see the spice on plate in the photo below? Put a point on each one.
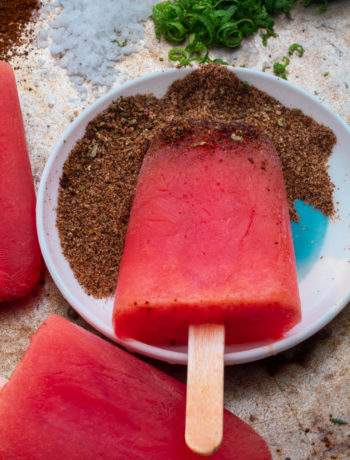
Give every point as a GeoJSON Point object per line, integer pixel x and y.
{"type": "Point", "coordinates": [99, 177]}
{"type": "Point", "coordinates": [14, 17]}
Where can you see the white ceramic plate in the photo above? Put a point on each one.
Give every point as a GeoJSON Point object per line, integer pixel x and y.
{"type": "Point", "coordinates": [324, 282]}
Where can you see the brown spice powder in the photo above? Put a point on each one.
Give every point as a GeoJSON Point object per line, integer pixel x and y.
{"type": "Point", "coordinates": [100, 175]}
{"type": "Point", "coordinates": [14, 16]}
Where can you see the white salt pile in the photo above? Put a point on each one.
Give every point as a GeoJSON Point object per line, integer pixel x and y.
{"type": "Point", "coordinates": [89, 36]}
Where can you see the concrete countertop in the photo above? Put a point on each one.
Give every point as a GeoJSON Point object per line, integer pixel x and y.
{"type": "Point", "coordinates": [288, 398]}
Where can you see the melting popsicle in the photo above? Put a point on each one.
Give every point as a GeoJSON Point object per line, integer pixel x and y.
{"type": "Point", "coordinates": [20, 257]}
{"type": "Point", "coordinates": [78, 397]}
{"type": "Point", "coordinates": [209, 240]}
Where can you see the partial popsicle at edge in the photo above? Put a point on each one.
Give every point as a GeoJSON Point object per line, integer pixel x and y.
{"type": "Point", "coordinates": [84, 398]}
{"type": "Point", "coordinates": [20, 257]}
{"type": "Point", "coordinates": [209, 239]}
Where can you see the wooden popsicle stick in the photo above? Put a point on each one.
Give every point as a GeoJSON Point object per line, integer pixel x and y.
{"type": "Point", "coordinates": [205, 388]}
{"type": "Point", "coordinates": [2, 382]}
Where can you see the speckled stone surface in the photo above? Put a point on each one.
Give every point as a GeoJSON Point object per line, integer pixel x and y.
{"type": "Point", "coordinates": [289, 398]}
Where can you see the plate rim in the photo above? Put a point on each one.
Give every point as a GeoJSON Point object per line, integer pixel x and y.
{"type": "Point", "coordinates": [170, 356]}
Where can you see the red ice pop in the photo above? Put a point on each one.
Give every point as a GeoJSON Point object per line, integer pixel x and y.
{"type": "Point", "coordinates": [209, 240]}
{"type": "Point", "coordinates": [78, 397]}
{"type": "Point", "coordinates": [20, 258]}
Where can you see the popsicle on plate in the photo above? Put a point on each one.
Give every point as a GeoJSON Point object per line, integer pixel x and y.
{"type": "Point", "coordinates": [209, 239]}
{"type": "Point", "coordinates": [20, 257]}
{"type": "Point", "coordinates": [78, 397]}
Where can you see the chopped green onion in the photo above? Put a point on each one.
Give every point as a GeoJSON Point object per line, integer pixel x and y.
{"type": "Point", "coordinates": [219, 61]}
{"type": "Point", "coordinates": [204, 23]}
{"type": "Point", "coordinates": [322, 9]}
{"type": "Point", "coordinates": [296, 47]}
{"type": "Point", "coordinates": [280, 69]}
{"type": "Point", "coordinates": [121, 44]}
{"type": "Point", "coordinates": [338, 421]}
{"type": "Point", "coordinates": [209, 22]}
{"type": "Point", "coordinates": [177, 53]}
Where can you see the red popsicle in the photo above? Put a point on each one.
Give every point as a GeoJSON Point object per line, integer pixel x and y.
{"type": "Point", "coordinates": [20, 257]}
{"type": "Point", "coordinates": [75, 396]}
{"type": "Point", "coordinates": [209, 240]}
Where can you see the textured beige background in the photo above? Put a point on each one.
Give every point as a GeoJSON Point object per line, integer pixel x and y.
{"type": "Point", "coordinates": [288, 398]}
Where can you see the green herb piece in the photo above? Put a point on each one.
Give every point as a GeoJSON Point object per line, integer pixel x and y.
{"type": "Point", "coordinates": [237, 138]}
{"type": "Point", "coordinates": [326, 74]}
{"type": "Point", "coordinates": [161, 59]}
{"type": "Point", "coordinates": [198, 144]}
{"type": "Point", "coordinates": [280, 122]}
{"type": "Point", "coordinates": [265, 36]}
{"type": "Point", "coordinates": [338, 421]}
{"type": "Point", "coordinates": [322, 8]}
{"type": "Point", "coordinates": [279, 69]}
{"type": "Point", "coordinates": [219, 61]}
{"type": "Point", "coordinates": [245, 83]}
{"type": "Point", "coordinates": [297, 111]}
{"type": "Point", "coordinates": [121, 44]}
{"type": "Point", "coordinates": [183, 55]}
{"type": "Point", "coordinates": [176, 54]}
{"type": "Point", "coordinates": [296, 47]}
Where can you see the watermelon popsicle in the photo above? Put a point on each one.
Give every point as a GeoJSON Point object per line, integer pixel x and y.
{"type": "Point", "coordinates": [20, 257]}
{"type": "Point", "coordinates": [78, 397]}
{"type": "Point", "coordinates": [208, 254]}
{"type": "Point", "coordinates": [209, 240]}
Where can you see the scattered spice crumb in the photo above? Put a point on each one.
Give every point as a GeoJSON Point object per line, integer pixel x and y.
{"type": "Point", "coordinates": [99, 177]}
